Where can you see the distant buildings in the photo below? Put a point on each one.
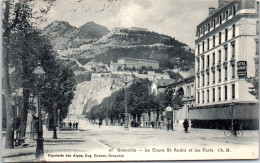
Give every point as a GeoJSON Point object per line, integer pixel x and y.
{"type": "Point", "coordinates": [133, 63]}
{"type": "Point", "coordinates": [226, 44]}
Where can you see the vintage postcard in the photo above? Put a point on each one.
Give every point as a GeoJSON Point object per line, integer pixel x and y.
{"type": "Point", "coordinates": [130, 80]}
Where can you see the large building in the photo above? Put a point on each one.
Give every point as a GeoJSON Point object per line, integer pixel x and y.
{"type": "Point", "coordinates": [133, 63]}
{"type": "Point", "coordinates": [226, 45]}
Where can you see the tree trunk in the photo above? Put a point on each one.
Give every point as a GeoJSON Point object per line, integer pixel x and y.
{"type": "Point", "coordinates": [149, 118]}
{"type": "Point", "coordinates": [9, 112]}
{"type": "Point", "coordinates": [24, 112]}
{"type": "Point", "coordinates": [9, 139]}
{"type": "Point", "coordinates": [157, 116]}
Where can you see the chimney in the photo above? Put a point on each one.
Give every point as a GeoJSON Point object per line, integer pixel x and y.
{"type": "Point", "coordinates": [211, 9]}
{"type": "Point", "coordinates": [222, 2]}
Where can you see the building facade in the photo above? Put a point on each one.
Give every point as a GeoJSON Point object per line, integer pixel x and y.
{"type": "Point", "coordinates": [133, 63]}
{"type": "Point", "coordinates": [184, 87]}
{"type": "Point", "coordinates": [226, 45]}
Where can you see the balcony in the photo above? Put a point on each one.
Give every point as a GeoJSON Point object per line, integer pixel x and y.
{"type": "Point", "coordinates": [219, 65]}
{"type": "Point", "coordinates": [225, 63]}
{"type": "Point", "coordinates": [213, 67]}
{"type": "Point", "coordinates": [207, 69]}
{"type": "Point", "coordinates": [232, 61]}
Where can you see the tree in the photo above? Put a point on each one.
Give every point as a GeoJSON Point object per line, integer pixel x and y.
{"type": "Point", "coordinates": [142, 70]}
{"type": "Point", "coordinates": [254, 90]}
{"type": "Point", "coordinates": [13, 15]}
{"type": "Point", "coordinates": [23, 48]}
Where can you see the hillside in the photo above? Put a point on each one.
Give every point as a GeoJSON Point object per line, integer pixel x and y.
{"type": "Point", "coordinates": [63, 36]}
{"type": "Point", "coordinates": [91, 47]}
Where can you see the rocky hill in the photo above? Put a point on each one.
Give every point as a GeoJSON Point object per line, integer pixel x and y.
{"type": "Point", "coordinates": [63, 36]}
{"type": "Point", "coordinates": [91, 93]}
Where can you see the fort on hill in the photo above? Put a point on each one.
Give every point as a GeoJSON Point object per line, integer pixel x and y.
{"type": "Point", "coordinates": [133, 63]}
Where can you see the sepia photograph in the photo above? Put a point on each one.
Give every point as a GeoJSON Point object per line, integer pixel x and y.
{"type": "Point", "coordinates": [130, 80]}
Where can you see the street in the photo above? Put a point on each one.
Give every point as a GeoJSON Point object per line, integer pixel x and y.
{"type": "Point", "coordinates": [113, 143]}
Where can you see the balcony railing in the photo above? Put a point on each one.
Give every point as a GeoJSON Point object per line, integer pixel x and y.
{"type": "Point", "coordinates": [232, 61]}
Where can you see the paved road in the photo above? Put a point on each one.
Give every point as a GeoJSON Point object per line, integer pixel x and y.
{"type": "Point", "coordinates": [138, 143]}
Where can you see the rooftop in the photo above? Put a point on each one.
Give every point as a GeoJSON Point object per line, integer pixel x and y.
{"type": "Point", "coordinates": [136, 59]}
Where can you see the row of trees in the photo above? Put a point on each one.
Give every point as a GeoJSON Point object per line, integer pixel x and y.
{"type": "Point", "coordinates": [23, 48]}
{"type": "Point", "coordinates": [139, 100]}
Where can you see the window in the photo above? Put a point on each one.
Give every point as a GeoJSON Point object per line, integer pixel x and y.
{"type": "Point", "coordinates": [233, 71]}
{"type": "Point", "coordinates": [219, 37]}
{"type": "Point", "coordinates": [257, 27]}
{"type": "Point", "coordinates": [188, 91]}
{"type": "Point", "coordinates": [226, 34]}
{"type": "Point", "coordinates": [208, 78]}
{"type": "Point", "coordinates": [213, 94]}
{"type": "Point", "coordinates": [203, 80]}
{"type": "Point", "coordinates": [208, 27]}
{"type": "Point", "coordinates": [214, 23]}
{"type": "Point", "coordinates": [233, 91]}
{"type": "Point", "coordinates": [203, 63]}
{"type": "Point", "coordinates": [226, 53]}
{"type": "Point", "coordinates": [213, 55]}
{"type": "Point", "coordinates": [219, 75]}
{"type": "Point", "coordinates": [219, 56]}
{"type": "Point", "coordinates": [198, 63]}
{"type": "Point", "coordinates": [233, 30]}
{"type": "Point", "coordinates": [191, 90]}
{"type": "Point", "coordinates": [227, 15]}
{"type": "Point", "coordinates": [213, 77]}
{"type": "Point", "coordinates": [208, 44]}
{"type": "Point", "coordinates": [225, 92]}
{"type": "Point", "coordinates": [220, 19]}
{"type": "Point", "coordinates": [225, 73]}
{"type": "Point", "coordinates": [203, 46]}
{"type": "Point", "coordinates": [198, 81]}
{"type": "Point", "coordinates": [198, 97]}
{"type": "Point", "coordinates": [214, 41]}
{"type": "Point", "coordinates": [233, 49]}
{"type": "Point", "coordinates": [234, 10]}
{"type": "Point", "coordinates": [202, 96]}
{"type": "Point", "coordinates": [219, 93]}
{"type": "Point", "coordinates": [198, 49]}
{"type": "Point", "coordinates": [207, 60]}
{"type": "Point", "coordinates": [207, 95]}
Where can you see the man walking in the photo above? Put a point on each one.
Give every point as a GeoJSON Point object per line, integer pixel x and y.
{"type": "Point", "coordinates": [186, 125]}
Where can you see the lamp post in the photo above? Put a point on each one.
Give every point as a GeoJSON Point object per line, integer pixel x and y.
{"type": "Point", "coordinates": [58, 119]}
{"type": "Point", "coordinates": [55, 122]}
{"type": "Point", "coordinates": [232, 115]}
{"type": "Point", "coordinates": [39, 75]}
{"type": "Point", "coordinates": [126, 114]}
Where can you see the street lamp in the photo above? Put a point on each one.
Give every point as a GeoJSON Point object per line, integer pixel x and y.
{"type": "Point", "coordinates": [126, 114]}
{"type": "Point", "coordinates": [54, 118]}
{"type": "Point", "coordinates": [232, 115]}
{"type": "Point", "coordinates": [39, 75]}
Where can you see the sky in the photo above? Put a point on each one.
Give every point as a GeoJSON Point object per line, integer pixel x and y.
{"type": "Point", "coordinates": [176, 18]}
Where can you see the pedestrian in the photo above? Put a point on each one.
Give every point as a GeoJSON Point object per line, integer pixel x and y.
{"type": "Point", "coordinates": [235, 127]}
{"type": "Point", "coordinates": [76, 124]}
{"type": "Point", "coordinates": [152, 123]}
{"type": "Point", "coordinates": [100, 123]}
{"type": "Point", "coordinates": [132, 124]}
{"type": "Point", "coordinates": [186, 125]}
{"type": "Point", "coordinates": [70, 124]}
{"type": "Point", "coordinates": [159, 125]}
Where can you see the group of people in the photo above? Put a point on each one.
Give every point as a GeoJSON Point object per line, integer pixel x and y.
{"type": "Point", "coordinates": [74, 125]}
